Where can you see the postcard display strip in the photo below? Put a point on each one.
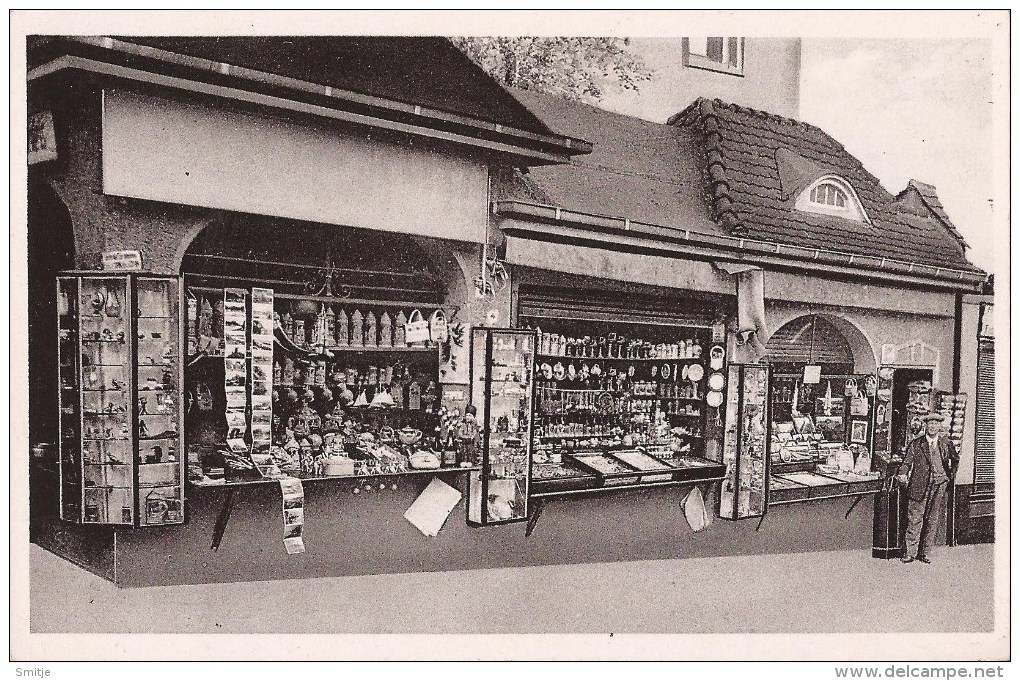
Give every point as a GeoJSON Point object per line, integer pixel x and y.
{"type": "Point", "coordinates": [953, 408]}
{"type": "Point", "coordinates": [120, 376]}
{"type": "Point", "coordinates": [746, 443]}
{"type": "Point", "coordinates": [502, 365]}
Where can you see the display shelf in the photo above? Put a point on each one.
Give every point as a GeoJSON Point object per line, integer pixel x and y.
{"type": "Point", "coordinates": [802, 493]}
{"type": "Point", "coordinates": [684, 360]}
{"type": "Point", "coordinates": [365, 349]}
{"type": "Point", "coordinates": [706, 472]}
{"type": "Point", "coordinates": [339, 478]}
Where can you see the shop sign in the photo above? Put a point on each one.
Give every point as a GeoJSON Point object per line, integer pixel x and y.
{"type": "Point", "coordinates": [122, 261]}
{"type": "Point", "coordinates": [812, 373]}
{"type": "Point", "coordinates": [42, 138]}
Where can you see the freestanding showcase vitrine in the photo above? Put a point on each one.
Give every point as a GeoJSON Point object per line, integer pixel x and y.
{"type": "Point", "coordinates": [746, 443]}
{"type": "Point", "coordinates": [502, 392]}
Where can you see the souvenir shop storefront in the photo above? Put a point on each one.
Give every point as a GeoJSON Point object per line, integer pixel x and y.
{"type": "Point", "coordinates": [567, 418]}
{"type": "Point", "coordinates": [802, 438]}
{"type": "Point", "coordinates": [266, 370]}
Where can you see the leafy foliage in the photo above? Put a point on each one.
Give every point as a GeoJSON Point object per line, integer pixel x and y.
{"type": "Point", "coordinates": [577, 68]}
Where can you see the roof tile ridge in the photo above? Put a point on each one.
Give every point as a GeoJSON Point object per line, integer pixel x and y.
{"type": "Point", "coordinates": [724, 209]}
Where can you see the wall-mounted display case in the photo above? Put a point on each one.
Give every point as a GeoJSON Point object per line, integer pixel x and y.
{"type": "Point", "coordinates": [502, 394]}
{"type": "Point", "coordinates": [119, 369]}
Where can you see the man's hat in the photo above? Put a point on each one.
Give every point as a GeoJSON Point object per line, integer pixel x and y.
{"type": "Point", "coordinates": [934, 417]}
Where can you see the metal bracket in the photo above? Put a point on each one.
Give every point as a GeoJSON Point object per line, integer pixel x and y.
{"type": "Point", "coordinates": [853, 506]}
{"type": "Point", "coordinates": [533, 520]}
{"type": "Point", "coordinates": [221, 521]}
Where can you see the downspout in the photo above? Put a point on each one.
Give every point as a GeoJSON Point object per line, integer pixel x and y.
{"type": "Point", "coordinates": [957, 360]}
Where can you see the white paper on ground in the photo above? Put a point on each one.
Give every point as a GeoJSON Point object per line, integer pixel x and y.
{"type": "Point", "coordinates": [432, 507]}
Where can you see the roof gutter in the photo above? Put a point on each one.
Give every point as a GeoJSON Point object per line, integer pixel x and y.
{"type": "Point", "coordinates": [737, 249]}
{"type": "Point", "coordinates": [558, 144]}
{"type": "Point", "coordinates": [71, 63]}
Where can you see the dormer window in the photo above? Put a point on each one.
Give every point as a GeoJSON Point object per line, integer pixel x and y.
{"type": "Point", "coordinates": [832, 196]}
{"type": "Point", "coordinates": [828, 194]}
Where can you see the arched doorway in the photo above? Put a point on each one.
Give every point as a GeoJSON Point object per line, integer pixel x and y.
{"type": "Point", "coordinates": [50, 250]}
{"type": "Point", "coordinates": [816, 361]}
{"type": "Point", "coordinates": [810, 340]}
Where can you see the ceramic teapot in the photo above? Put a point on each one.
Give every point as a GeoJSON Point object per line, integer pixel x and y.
{"type": "Point", "coordinates": [409, 436]}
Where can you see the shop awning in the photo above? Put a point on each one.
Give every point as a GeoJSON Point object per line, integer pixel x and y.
{"type": "Point", "coordinates": [638, 268]}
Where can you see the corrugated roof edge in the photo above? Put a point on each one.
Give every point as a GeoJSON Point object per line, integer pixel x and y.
{"type": "Point", "coordinates": [964, 279]}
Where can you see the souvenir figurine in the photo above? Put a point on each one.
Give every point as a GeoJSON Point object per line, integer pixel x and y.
{"type": "Point", "coordinates": [314, 329]}
{"type": "Point", "coordinates": [399, 330]}
{"type": "Point", "coordinates": [357, 329]}
{"type": "Point", "coordinates": [371, 330]}
{"type": "Point", "coordinates": [385, 330]}
{"type": "Point", "coordinates": [329, 324]}
{"type": "Point", "coordinates": [287, 324]}
{"type": "Point", "coordinates": [217, 318]}
{"type": "Point", "coordinates": [343, 329]}
{"type": "Point", "coordinates": [467, 437]}
{"type": "Point", "coordinates": [414, 396]}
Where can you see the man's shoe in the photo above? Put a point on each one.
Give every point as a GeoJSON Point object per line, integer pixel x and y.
{"type": "Point", "coordinates": [924, 559]}
{"type": "Point", "coordinates": [906, 559]}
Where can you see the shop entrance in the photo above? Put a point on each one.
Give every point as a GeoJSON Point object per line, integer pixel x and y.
{"type": "Point", "coordinates": [905, 426]}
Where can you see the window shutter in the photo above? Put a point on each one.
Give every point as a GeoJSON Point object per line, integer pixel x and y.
{"type": "Point", "coordinates": [984, 422]}
{"type": "Point", "coordinates": [715, 49]}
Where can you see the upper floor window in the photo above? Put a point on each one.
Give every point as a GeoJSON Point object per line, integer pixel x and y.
{"type": "Point", "coordinates": [715, 54]}
{"type": "Point", "coordinates": [828, 194]}
{"type": "Point", "coordinates": [832, 195]}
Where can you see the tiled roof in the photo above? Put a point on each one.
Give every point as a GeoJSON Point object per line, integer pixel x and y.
{"type": "Point", "coordinates": [638, 170]}
{"type": "Point", "coordinates": [750, 197]}
{"type": "Point", "coordinates": [930, 198]}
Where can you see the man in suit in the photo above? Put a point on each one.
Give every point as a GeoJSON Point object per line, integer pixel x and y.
{"type": "Point", "coordinates": [928, 465]}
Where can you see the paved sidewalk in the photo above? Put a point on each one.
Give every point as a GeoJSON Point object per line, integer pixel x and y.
{"type": "Point", "coordinates": [791, 593]}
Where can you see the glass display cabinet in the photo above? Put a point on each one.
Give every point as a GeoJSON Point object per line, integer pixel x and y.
{"type": "Point", "coordinates": [119, 376]}
{"type": "Point", "coordinates": [746, 443]}
{"type": "Point", "coordinates": [502, 394]}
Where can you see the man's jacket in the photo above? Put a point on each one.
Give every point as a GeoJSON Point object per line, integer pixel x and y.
{"type": "Point", "coordinates": [922, 466]}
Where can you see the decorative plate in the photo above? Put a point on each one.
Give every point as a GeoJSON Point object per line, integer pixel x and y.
{"type": "Point", "coordinates": [665, 372]}
{"type": "Point", "coordinates": [547, 371]}
{"type": "Point", "coordinates": [696, 372]}
{"type": "Point", "coordinates": [559, 372]}
{"type": "Point", "coordinates": [716, 381]}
